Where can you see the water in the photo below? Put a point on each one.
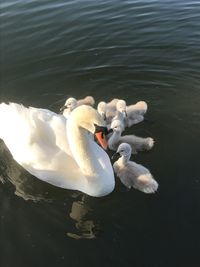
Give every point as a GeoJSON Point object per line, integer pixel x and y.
{"type": "Point", "coordinates": [136, 50]}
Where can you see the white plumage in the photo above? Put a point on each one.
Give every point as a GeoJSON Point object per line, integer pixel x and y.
{"type": "Point", "coordinates": [56, 150]}
{"type": "Point", "coordinates": [61, 149]}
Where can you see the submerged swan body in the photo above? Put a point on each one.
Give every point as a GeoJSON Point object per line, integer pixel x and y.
{"type": "Point", "coordinates": [56, 150]}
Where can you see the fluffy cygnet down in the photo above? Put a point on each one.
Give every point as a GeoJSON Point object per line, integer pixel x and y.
{"type": "Point", "coordinates": [136, 143]}
{"type": "Point", "coordinates": [132, 174]}
{"type": "Point", "coordinates": [72, 103]}
{"type": "Point", "coordinates": [88, 100]}
{"type": "Point", "coordinates": [107, 110]}
{"type": "Point", "coordinates": [134, 113]}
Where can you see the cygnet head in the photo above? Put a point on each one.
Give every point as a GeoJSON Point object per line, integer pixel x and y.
{"type": "Point", "coordinates": [71, 103]}
{"type": "Point", "coordinates": [121, 106]}
{"type": "Point", "coordinates": [101, 108]}
{"type": "Point", "coordinates": [124, 149]}
{"type": "Point", "coordinates": [116, 126]}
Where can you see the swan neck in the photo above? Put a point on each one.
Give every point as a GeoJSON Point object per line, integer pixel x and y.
{"type": "Point", "coordinates": [81, 148]}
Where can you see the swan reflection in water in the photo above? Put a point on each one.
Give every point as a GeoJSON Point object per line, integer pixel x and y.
{"type": "Point", "coordinates": [87, 229]}
{"type": "Point", "coordinates": [24, 185]}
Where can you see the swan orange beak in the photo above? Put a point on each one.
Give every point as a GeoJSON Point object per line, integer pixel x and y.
{"type": "Point", "coordinates": [102, 139]}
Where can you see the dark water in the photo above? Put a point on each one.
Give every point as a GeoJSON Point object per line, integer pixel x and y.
{"type": "Point", "coordinates": [135, 50]}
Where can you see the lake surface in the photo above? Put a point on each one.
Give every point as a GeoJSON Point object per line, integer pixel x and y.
{"type": "Point", "coordinates": [135, 50]}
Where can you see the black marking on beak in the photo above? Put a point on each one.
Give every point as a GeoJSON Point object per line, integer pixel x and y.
{"type": "Point", "coordinates": [109, 131]}
{"type": "Point", "coordinates": [102, 129]}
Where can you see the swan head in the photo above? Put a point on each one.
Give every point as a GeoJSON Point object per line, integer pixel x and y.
{"type": "Point", "coordinates": [101, 108]}
{"type": "Point", "coordinates": [70, 104]}
{"type": "Point", "coordinates": [121, 107]}
{"type": "Point", "coordinates": [116, 126]}
{"type": "Point", "coordinates": [89, 119]}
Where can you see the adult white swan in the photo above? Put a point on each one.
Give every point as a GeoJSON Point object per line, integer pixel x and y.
{"type": "Point", "coordinates": [58, 151]}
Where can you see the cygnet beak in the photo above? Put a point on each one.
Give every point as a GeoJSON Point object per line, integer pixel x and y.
{"type": "Point", "coordinates": [63, 108]}
{"type": "Point", "coordinates": [109, 131]}
{"type": "Point", "coordinates": [125, 114]}
{"type": "Point", "coordinates": [115, 156]}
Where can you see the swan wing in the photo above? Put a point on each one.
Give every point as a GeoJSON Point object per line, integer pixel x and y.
{"type": "Point", "coordinates": [37, 140]}
{"type": "Point", "coordinates": [51, 126]}
{"type": "Point", "coordinates": [23, 129]}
